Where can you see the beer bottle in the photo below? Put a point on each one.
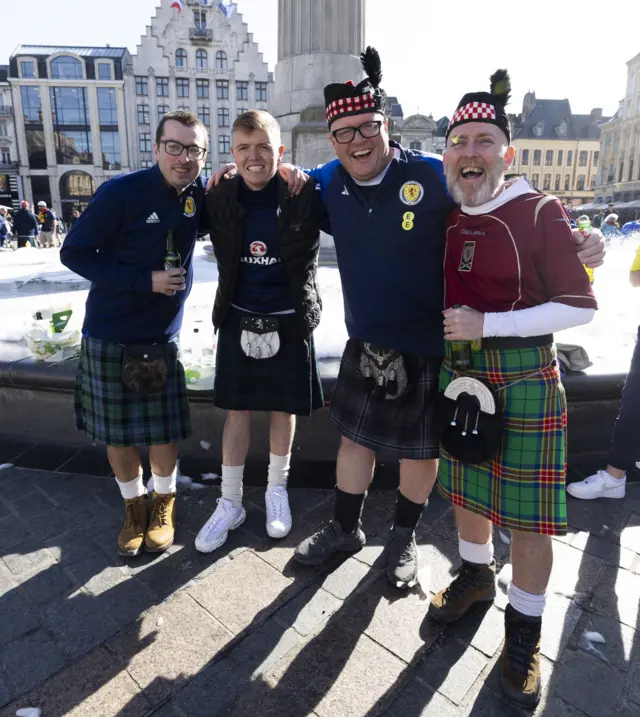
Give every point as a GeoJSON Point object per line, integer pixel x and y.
{"type": "Point", "coordinates": [461, 359]}
{"type": "Point", "coordinates": [584, 226]}
{"type": "Point", "coordinates": [172, 259]}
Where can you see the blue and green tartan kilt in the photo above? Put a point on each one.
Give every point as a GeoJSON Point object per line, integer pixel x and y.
{"type": "Point", "coordinates": [523, 486]}
{"type": "Point", "coordinates": [112, 415]}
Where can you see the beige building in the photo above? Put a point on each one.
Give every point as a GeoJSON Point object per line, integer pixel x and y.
{"type": "Point", "coordinates": [9, 193]}
{"type": "Point", "coordinates": [619, 176]}
{"type": "Point", "coordinates": [558, 151]}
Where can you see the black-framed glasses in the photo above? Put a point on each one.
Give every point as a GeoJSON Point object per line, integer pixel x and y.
{"type": "Point", "coordinates": [344, 135]}
{"type": "Point", "coordinates": [175, 149]}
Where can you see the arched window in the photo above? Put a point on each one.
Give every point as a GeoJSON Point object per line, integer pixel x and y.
{"type": "Point", "coordinates": [221, 60]}
{"type": "Point", "coordinates": [416, 145]}
{"type": "Point", "coordinates": [181, 58]}
{"type": "Point", "coordinates": [202, 60]}
{"type": "Point", "coordinates": [66, 68]}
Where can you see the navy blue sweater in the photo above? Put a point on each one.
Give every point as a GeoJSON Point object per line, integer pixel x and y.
{"type": "Point", "coordinates": [25, 223]}
{"type": "Point", "coordinates": [117, 242]}
{"type": "Point", "coordinates": [390, 248]}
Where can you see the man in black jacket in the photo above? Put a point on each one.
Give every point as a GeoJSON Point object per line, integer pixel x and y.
{"type": "Point", "coordinates": [25, 226]}
{"type": "Point", "coordinates": [266, 308]}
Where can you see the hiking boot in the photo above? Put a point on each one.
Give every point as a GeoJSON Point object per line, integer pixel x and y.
{"type": "Point", "coordinates": [472, 584]}
{"type": "Point", "coordinates": [402, 558]}
{"type": "Point", "coordinates": [162, 525]}
{"type": "Point", "coordinates": [326, 542]}
{"type": "Point", "coordinates": [520, 667]}
{"type": "Point", "coordinates": [214, 533]}
{"type": "Point", "coordinates": [279, 521]}
{"type": "Point", "coordinates": [136, 520]}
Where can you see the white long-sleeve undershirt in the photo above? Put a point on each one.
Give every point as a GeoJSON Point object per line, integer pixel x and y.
{"type": "Point", "coordinates": [536, 321]}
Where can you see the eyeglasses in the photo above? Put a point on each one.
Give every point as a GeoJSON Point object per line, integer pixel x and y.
{"type": "Point", "coordinates": [175, 149]}
{"type": "Point", "coordinates": [344, 135]}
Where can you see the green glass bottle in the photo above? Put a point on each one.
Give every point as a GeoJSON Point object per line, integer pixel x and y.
{"type": "Point", "coordinates": [172, 259]}
{"type": "Point", "coordinates": [461, 359]}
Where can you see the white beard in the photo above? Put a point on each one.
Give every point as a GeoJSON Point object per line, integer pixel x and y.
{"type": "Point", "coordinates": [477, 196]}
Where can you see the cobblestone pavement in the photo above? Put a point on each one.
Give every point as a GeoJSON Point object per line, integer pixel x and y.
{"type": "Point", "coordinates": [248, 632]}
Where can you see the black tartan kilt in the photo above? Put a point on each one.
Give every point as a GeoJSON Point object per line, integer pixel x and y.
{"type": "Point", "coordinates": [288, 382]}
{"type": "Point", "coordinates": [403, 427]}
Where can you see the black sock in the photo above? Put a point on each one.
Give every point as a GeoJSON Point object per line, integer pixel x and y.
{"type": "Point", "coordinates": [348, 509]}
{"type": "Point", "coordinates": [407, 512]}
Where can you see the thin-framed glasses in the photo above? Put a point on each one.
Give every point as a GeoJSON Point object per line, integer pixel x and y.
{"type": "Point", "coordinates": [344, 135]}
{"type": "Point", "coordinates": [175, 149]}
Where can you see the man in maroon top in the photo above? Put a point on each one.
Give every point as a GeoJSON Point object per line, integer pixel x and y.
{"type": "Point", "coordinates": [512, 279]}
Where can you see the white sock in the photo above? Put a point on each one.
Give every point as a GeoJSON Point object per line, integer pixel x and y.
{"type": "Point", "coordinates": [278, 470]}
{"type": "Point", "coordinates": [132, 489]}
{"type": "Point", "coordinates": [526, 603]}
{"type": "Point", "coordinates": [478, 553]}
{"type": "Point", "coordinates": [232, 483]}
{"type": "Point", "coordinates": [616, 480]}
{"type": "Point", "coordinates": [164, 485]}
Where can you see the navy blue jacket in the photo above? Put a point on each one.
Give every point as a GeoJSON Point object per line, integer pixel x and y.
{"type": "Point", "coordinates": [390, 249]}
{"type": "Point", "coordinates": [25, 223]}
{"type": "Point", "coordinates": [117, 242]}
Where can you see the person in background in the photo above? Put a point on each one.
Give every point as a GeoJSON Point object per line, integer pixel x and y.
{"type": "Point", "coordinates": [4, 227]}
{"type": "Point", "coordinates": [598, 218]}
{"type": "Point", "coordinates": [75, 215]}
{"type": "Point", "coordinates": [48, 228]}
{"type": "Point", "coordinates": [610, 229]}
{"type": "Point", "coordinates": [25, 226]}
{"type": "Point", "coordinates": [624, 450]}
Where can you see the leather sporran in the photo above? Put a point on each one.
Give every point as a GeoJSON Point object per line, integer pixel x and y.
{"type": "Point", "coordinates": [384, 371]}
{"type": "Point", "coordinates": [260, 338]}
{"type": "Point", "coordinates": [145, 368]}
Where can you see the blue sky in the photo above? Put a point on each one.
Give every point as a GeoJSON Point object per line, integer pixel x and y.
{"type": "Point", "coordinates": [432, 52]}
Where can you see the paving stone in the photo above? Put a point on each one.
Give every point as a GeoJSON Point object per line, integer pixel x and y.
{"type": "Point", "coordinates": [162, 657]}
{"type": "Point", "coordinates": [561, 616]}
{"type": "Point", "coordinates": [373, 553]}
{"type": "Point", "coordinates": [8, 580]}
{"type": "Point", "coordinates": [167, 710]}
{"type": "Point", "coordinates": [307, 611]}
{"type": "Point", "coordinates": [96, 573]}
{"type": "Point", "coordinates": [48, 526]}
{"type": "Point", "coordinates": [622, 643]}
{"type": "Point", "coordinates": [418, 700]}
{"type": "Point", "coordinates": [279, 553]}
{"type": "Point", "coordinates": [27, 559]}
{"type": "Point", "coordinates": [633, 680]}
{"type": "Point", "coordinates": [441, 555]}
{"type": "Point", "coordinates": [12, 533]}
{"type": "Point", "coordinates": [4, 510]}
{"type": "Point", "coordinates": [47, 584]}
{"type": "Point", "coordinates": [618, 595]}
{"type": "Point", "coordinates": [574, 574]}
{"type": "Point", "coordinates": [15, 484]}
{"type": "Point", "coordinates": [264, 647]}
{"type": "Point", "coordinates": [17, 616]}
{"type": "Point", "coordinates": [261, 699]}
{"type": "Point", "coordinates": [610, 552]}
{"type": "Point", "coordinates": [5, 692]}
{"type": "Point", "coordinates": [243, 591]}
{"type": "Point", "coordinates": [490, 703]}
{"type": "Point", "coordinates": [34, 505]}
{"type": "Point", "coordinates": [630, 537]}
{"type": "Point", "coordinates": [553, 706]}
{"type": "Point", "coordinates": [213, 691]}
{"type": "Point", "coordinates": [68, 548]}
{"type": "Point", "coordinates": [348, 577]}
{"type": "Point", "coordinates": [30, 660]}
{"type": "Point", "coordinates": [94, 685]}
{"type": "Point", "coordinates": [490, 633]}
{"type": "Point", "coordinates": [452, 669]}
{"type": "Point", "coordinates": [605, 522]}
{"type": "Point", "coordinates": [589, 684]}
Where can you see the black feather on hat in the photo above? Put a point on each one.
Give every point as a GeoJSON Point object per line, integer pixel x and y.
{"type": "Point", "coordinates": [486, 106]}
{"type": "Point", "coordinates": [367, 96]}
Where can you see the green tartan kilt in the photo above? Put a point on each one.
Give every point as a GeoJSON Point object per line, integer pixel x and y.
{"type": "Point", "coordinates": [523, 486]}
{"type": "Point", "coordinates": [114, 416]}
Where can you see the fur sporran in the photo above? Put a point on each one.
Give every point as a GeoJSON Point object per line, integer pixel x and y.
{"type": "Point", "coordinates": [145, 368]}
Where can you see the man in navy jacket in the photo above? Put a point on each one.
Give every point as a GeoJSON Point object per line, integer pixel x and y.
{"type": "Point", "coordinates": [25, 225]}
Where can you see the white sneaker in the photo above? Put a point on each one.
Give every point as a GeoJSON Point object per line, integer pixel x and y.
{"type": "Point", "coordinates": [214, 532]}
{"type": "Point", "coordinates": [278, 512]}
{"type": "Point", "coordinates": [599, 485]}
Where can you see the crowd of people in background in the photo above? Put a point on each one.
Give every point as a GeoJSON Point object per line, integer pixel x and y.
{"type": "Point", "coordinates": [39, 227]}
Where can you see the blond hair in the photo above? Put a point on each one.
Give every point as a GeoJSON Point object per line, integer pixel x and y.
{"type": "Point", "coordinates": [258, 121]}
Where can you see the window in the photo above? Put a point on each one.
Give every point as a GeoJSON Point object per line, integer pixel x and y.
{"type": "Point", "coordinates": [580, 183]}
{"type": "Point", "coordinates": [181, 58]}
{"type": "Point", "coordinates": [240, 111]}
{"type": "Point", "coordinates": [200, 22]}
{"type": "Point", "coordinates": [5, 157]}
{"type": "Point", "coordinates": [593, 181]}
{"type": "Point", "coordinates": [630, 169]}
{"type": "Point", "coordinates": [28, 69]}
{"type": "Point", "coordinates": [537, 130]}
{"type": "Point", "coordinates": [73, 146]}
{"type": "Point", "coordinates": [261, 91]}
{"type": "Point", "coordinates": [562, 129]}
{"type": "Point", "coordinates": [107, 107]}
{"type": "Point", "coordinates": [182, 86]}
{"type": "Point", "coordinates": [537, 157]}
{"type": "Point", "coordinates": [204, 115]}
{"type": "Point", "coordinates": [224, 144]}
{"type": "Point", "coordinates": [567, 182]}
{"type": "Point", "coordinates": [208, 168]}
{"type": "Point", "coordinates": [242, 91]}
{"type": "Point", "coordinates": [596, 157]}
{"type": "Point", "coordinates": [162, 86]}
{"type": "Point", "coordinates": [524, 157]}
{"type": "Point", "coordinates": [223, 117]}
{"type": "Point", "coordinates": [104, 71]}
{"type": "Point", "coordinates": [202, 60]}
{"type": "Point", "coordinates": [4, 132]}
{"type": "Point", "coordinates": [222, 89]}
{"type": "Point", "coordinates": [36, 149]}
{"type": "Point", "coordinates": [144, 141]}
{"type": "Point", "coordinates": [66, 68]}
{"type": "Point", "coordinates": [221, 61]}
{"type": "Point", "coordinates": [143, 114]}
{"type": "Point", "coordinates": [69, 106]}
{"type": "Point", "coordinates": [569, 158]}
{"type": "Point", "coordinates": [546, 185]}
{"type": "Point", "coordinates": [110, 142]}
{"type": "Point", "coordinates": [583, 157]}
{"type": "Point", "coordinates": [415, 145]}
{"type": "Point", "coordinates": [535, 180]}
{"type": "Point", "coordinates": [560, 157]}
{"type": "Point", "coordinates": [31, 107]}
{"type": "Point", "coordinates": [557, 183]}
{"type": "Point", "coordinates": [162, 111]}
{"type": "Point", "coordinates": [142, 86]}
{"type": "Point", "coordinates": [548, 158]}
{"type": "Point", "coordinates": [202, 89]}
{"type": "Point", "coordinates": [146, 163]}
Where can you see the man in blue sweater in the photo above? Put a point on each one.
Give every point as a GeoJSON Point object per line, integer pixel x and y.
{"type": "Point", "coordinates": [25, 226]}
{"type": "Point", "coordinates": [131, 389]}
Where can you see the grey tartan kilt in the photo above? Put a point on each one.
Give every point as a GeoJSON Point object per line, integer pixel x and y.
{"type": "Point", "coordinates": [401, 428]}
{"type": "Point", "coordinates": [112, 415]}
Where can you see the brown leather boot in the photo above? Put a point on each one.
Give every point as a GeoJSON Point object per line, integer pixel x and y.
{"type": "Point", "coordinates": [162, 525]}
{"type": "Point", "coordinates": [472, 584]}
{"type": "Point", "coordinates": [136, 519]}
{"type": "Point", "coordinates": [520, 669]}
